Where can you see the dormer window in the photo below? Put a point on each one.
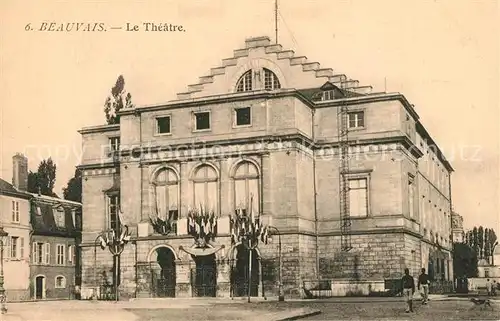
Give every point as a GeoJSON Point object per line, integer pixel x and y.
{"type": "Point", "coordinates": [328, 95]}
{"type": "Point", "coordinates": [271, 81]}
{"type": "Point", "coordinates": [59, 217]}
{"type": "Point", "coordinates": [245, 82]}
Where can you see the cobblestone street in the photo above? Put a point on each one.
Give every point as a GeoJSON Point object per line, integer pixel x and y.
{"type": "Point", "coordinates": [179, 309]}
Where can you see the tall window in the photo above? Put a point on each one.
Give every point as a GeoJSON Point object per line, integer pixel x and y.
{"type": "Point", "coordinates": [205, 188]}
{"type": "Point", "coordinates": [357, 119]}
{"type": "Point", "coordinates": [246, 184]}
{"type": "Point", "coordinates": [15, 212]}
{"type": "Point", "coordinates": [411, 197]}
{"type": "Point", "coordinates": [245, 82]}
{"type": "Point", "coordinates": [113, 208]}
{"type": "Point", "coordinates": [166, 187]}
{"type": "Point", "coordinates": [61, 254]}
{"type": "Point", "coordinates": [358, 197]}
{"type": "Point", "coordinates": [271, 81]}
{"type": "Point", "coordinates": [40, 253]}
{"type": "Point", "coordinates": [71, 254]}
{"type": "Point", "coordinates": [14, 243]}
{"type": "Point", "coordinates": [114, 144]}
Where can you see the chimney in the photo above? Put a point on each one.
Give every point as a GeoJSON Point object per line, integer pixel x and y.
{"type": "Point", "coordinates": [20, 172]}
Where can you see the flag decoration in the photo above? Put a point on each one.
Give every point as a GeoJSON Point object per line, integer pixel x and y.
{"type": "Point", "coordinates": [115, 240]}
{"type": "Point", "coordinates": [202, 225]}
{"type": "Point", "coordinates": [163, 226]}
{"type": "Point", "coordinates": [247, 228]}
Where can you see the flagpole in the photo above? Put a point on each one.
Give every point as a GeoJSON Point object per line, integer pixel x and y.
{"type": "Point", "coordinates": [250, 247]}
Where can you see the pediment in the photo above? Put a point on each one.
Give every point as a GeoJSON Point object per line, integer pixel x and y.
{"type": "Point", "coordinates": [293, 72]}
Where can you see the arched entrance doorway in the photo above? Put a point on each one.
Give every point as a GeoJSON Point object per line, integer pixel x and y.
{"type": "Point", "coordinates": [40, 287]}
{"type": "Point", "coordinates": [241, 279]}
{"type": "Point", "coordinates": [163, 272]}
{"type": "Point", "coordinates": [204, 276]}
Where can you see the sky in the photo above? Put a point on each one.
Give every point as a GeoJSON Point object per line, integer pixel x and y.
{"type": "Point", "coordinates": [442, 55]}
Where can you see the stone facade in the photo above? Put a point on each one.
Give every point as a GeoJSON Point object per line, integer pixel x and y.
{"type": "Point", "coordinates": [291, 141]}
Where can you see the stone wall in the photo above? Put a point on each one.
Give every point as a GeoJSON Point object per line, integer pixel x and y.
{"type": "Point", "coordinates": [374, 256]}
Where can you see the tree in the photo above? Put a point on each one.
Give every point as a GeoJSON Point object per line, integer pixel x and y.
{"type": "Point", "coordinates": [480, 242]}
{"type": "Point", "coordinates": [464, 261]}
{"type": "Point", "coordinates": [73, 190]}
{"type": "Point", "coordinates": [118, 99]}
{"type": "Point", "coordinates": [44, 179]}
{"type": "Point", "coordinates": [475, 240]}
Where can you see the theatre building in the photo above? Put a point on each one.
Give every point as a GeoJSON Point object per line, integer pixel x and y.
{"type": "Point", "coordinates": [263, 126]}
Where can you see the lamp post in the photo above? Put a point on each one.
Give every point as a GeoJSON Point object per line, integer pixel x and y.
{"type": "Point", "coordinates": [3, 298]}
{"type": "Point", "coordinates": [281, 297]}
{"type": "Point", "coordinates": [115, 244]}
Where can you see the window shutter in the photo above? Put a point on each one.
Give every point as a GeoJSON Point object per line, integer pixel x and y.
{"type": "Point", "coordinates": [47, 253]}
{"type": "Point", "coordinates": [34, 253]}
{"type": "Point", "coordinates": [21, 248]}
{"type": "Point", "coordinates": [7, 251]}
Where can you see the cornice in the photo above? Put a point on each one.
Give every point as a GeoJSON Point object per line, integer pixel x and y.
{"type": "Point", "coordinates": [99, 129]}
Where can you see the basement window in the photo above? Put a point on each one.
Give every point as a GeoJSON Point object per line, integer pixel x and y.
{"type": "Point", "coordinates": [202, 120]}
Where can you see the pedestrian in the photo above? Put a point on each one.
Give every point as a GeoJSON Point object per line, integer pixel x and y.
{"type": "Point", "coordinates": [408, 289]}
{"type": "Point", "coordinates": [494, 288]}
{"type": "Point", "coordinates": [488, 286]}
{"type": "Point", "coordinates": [423, 280]}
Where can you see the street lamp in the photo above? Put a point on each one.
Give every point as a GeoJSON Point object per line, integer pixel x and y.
{"type": "Point", "coordinates": [115, 243]}
{"type": "Point", "coordinates": [281, 297]}
{"type": "Point", "coordinates": [3, 298]}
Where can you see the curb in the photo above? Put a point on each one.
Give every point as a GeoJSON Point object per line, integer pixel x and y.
{"type": "Point", "coordinates": [294, 314]}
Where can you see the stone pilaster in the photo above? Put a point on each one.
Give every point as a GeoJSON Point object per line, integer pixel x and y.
{"type": "Point", "coordinates": [183, 279]}
{"type": "Point", "coordinates": [185, 192]}
{"type": "Point", "coordinates": [225, 191]}
{"type": "Point", "coordinates": [266, 185]}
{"type": "Point", "coordinates": [145, 193]}
{"type": "Point", "coordinates": [223, 278]}
{"type": "Point", "coordinates": [144, 280]}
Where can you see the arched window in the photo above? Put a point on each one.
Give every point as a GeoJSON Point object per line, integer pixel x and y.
{"type": "Point", "coordinates": [271, 81]}
{"type": "Point", "coordinates": [245, 82]}
{"type": "Point", "coordinates": [205, 188]}
{"type": "Point", "coordinates": [246, 184]}
{"type": "Point", "coordinates": [166, 193]}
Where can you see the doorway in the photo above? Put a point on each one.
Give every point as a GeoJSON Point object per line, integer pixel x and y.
{"type": "Point", "coordinates": [204, 276]}
{"type": "Point", "coordinates": [165, 284]}
{"type": "Point", "coordinates": [40, 287]}
{"type": "Point", "coordinates": [240, 273]}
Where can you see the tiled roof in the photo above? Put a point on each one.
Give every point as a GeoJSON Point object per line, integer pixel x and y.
{"type": "Point", "coordinates": [9, 189]}
{"type": "Point", "coordinates": [43, 221]}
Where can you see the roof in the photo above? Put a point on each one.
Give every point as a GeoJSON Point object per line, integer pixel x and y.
{"type": "Point", "coordinates": [8, 189]}
{"type": "Point", "coordinates": [43, 220]}
{"type": "Point", "coordinates": [53, 199]}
